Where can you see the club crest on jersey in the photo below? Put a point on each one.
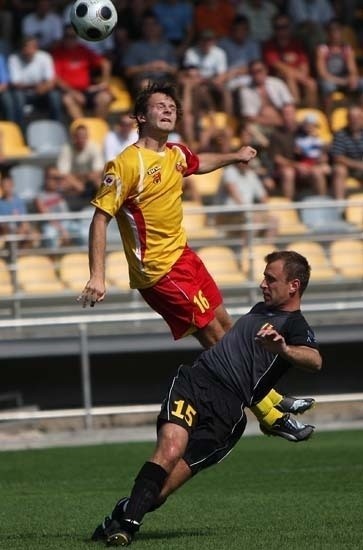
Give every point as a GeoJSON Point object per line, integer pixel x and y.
{"type": "Point", "coordinates": [179, 166]}
{"type": "Point", "coordinates": [108, 180]}
{"type": "Point", "coordinates": [155, 172]}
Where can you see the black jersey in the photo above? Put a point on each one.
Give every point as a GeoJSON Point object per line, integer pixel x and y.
{"type": "Point", "coordinates": [242, 364]}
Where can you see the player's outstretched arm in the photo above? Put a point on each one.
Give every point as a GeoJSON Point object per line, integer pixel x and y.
{"type": "Point", "coordinates": [303, 357]}
{"type": "Point", "coordinates": [95, 289]}
{"type": "Point", "coordinates": [211, 161]}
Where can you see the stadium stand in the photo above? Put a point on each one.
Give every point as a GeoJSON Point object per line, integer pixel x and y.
{"type": "Point", "coordinates": [252, 260]}
{"type": "Point", "coordinates": [353, 211]}
{"type": "Point", "coordinates": [12, 141]}
{"type": "Point", "coordinates": [195, 222]}
{"type": "Point", "coordinates": [117, 270]}
{"type": "Point", "coordinates": [73, 270]}
{"type": "Point", "coordinates": [321, 269]}
{"type": "Point", "coordinates": [46, 137]}
{"type": "Point", "coordinates": [28, 180]}
{"type": "Point", "coordinates": [288, 220]}
{"type": "Point", "coordinates": [6, 285]}
{"type": "Point", "coordinates": [322, 121]}
{"type": "Point", "coordinates": [346, 256]}
{"type": "Point", "coordinates": [97, 128]}
{"type": "Point", "coordinates": [36, 274]}
{"type": "Point", "coordinates": [222, 263]}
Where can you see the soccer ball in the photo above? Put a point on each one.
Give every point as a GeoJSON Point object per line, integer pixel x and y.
{"type": "Point", "coordinates": [93, 19]}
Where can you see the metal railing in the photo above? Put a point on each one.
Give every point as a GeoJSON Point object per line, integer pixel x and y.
{"type": "Point", "coordinates": [135, 312]}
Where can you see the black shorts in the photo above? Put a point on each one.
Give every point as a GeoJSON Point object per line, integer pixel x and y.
{"type": "Point", "coordinates": [213, 415]}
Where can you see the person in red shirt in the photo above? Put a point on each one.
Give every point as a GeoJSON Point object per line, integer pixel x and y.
{"type": "Point", "coordinates": [215, 15]}
{"type": "Point", "coordinates": [286, 58]}
{"type": "Point", "coordinates": [74, 65]}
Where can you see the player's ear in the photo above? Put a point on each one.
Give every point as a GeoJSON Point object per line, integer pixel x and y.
{"type": "Point", "coordinates": [140, 118]}
{"type": "Point", "coordinates": [294, 286]}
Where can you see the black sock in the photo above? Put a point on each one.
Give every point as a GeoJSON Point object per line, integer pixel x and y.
{"type": "Point", "coordinates": [144, 494]}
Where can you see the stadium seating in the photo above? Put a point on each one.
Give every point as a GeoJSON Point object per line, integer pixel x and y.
{"type": "Point", "coordinates": [338, 118]}
{"type": "Point", "coordinates": [6, 285]}
{"type": "Point", "coordinates": [288, 220]}
{"type": "Point", "coordinates": [117, 272]}
{"type": "Point", "coordinates": [207, 185]}
{"type": "Point", "coordinates": [28, 180]}
{"type": "Point", "coordinates": [195, 224]}
{"type": "Point", "coordinates": [253, 261]}
{"type": "Point", "coordinates": [74, 271]}
{"type": "Point", "coordinates": [353, 211]}
{"type": "Point", "coordinates": [97, 128]}
{"type": "Point", "coordinates": [222, 263]}
{"type": "Point", "coordinates": [37, 275]}
{"type": "Point", "coordinates": [12, 141]}
{"type": "Point", "coordinates": [46, 137]}
{"type": "Point", "coordinates": [121, 97]}
{"type": "Point", "coordinates": [346, 256]}
{"type": "Point", "coordinates": [321, 269]}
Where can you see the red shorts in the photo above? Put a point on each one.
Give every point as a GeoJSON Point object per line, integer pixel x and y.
{"type": "Point", "coordinates": [186, 297]}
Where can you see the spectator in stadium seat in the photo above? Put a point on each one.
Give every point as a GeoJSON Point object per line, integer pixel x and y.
{"type": "Point", "coordinates": [81, 163]}
{"type": "Point", "coordinates": [336, 66]}
{"type": "Point", "coordinates": [123, 134]}
{"type": "Point", "coordinates": [6, 100]}
{"type": "Point", "coordinates": [290, 171]}
{"type": "Point", "coordinates": [309, 18]}
{"type": "Point", "coordinates": [210, 62]}
{"type": "Point", "coordinates": [259, 14]}
{"type": "Point", "coordinates": [152, 58]}
{"type": "Point", "coordinates": [263, 99]}
{"type": "Point", "coordinates": [32, 78]}
{"type": "Point", "coordinates": [287, 59]}
{"type": "Point", "coordinates": [241, 185]}
{"type": "Point", "coordinates": [50, 200]}
{"type": "Point", "coordinates": [215, 15]}
{"type": "Point", "coordinates": [177, 20]}
{"type": "Point", "coordinates": [12, 205]}
{"type": "Point", "coordinates": [44, 23]}
{"type": "Point", "coordinates": [75, 67]}
{"type": "Point", "coordinates": [241, 50]}
{"type": "Point", "coordinates": [6, 27]}
{"type": "Point", "coordinates": [347, 152]}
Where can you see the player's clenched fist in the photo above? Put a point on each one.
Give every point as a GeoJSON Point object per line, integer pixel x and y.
{"type": "Point", "coordinates": [247, 153]}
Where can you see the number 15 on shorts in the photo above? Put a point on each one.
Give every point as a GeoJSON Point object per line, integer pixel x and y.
{"type": "Point", "coordinates": [184, 411]}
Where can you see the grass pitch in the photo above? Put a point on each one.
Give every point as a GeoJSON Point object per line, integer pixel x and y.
{"type": "Point", "coordinates": [268, 494]}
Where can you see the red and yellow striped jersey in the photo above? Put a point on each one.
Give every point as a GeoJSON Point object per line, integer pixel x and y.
{"type": "Point", "coordinates": [142, 189]}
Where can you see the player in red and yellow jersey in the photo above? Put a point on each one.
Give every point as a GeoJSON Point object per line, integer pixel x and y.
{"type": "Point", "coordinates": [142, 189]}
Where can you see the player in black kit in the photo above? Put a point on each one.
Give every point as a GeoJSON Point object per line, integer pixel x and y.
{"type": "Point", "coordinates": [202, 416]}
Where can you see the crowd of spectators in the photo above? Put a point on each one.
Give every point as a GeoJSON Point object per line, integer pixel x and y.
{"type": "Point", "coordinates": [244, 69]}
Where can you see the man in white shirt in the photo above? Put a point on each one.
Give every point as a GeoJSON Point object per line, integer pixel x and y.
{"type": "Point", "coordinates": [121, 136]}
{"type": "Point", "coordinates": [32, 79]}
{"type": "Point", "coordinates": [202, 82]}
{"type": "Point", "coordinates": [262, 100]}
{"type": "Point", "coordinates": [81, 163]}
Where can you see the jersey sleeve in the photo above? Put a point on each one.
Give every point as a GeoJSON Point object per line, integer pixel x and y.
{"type": "Point", "coordinates": [297, 332]}
{"type": "Point", "coordinates": [114, 189]}
{"type": "Point", "coordinates": [191, 159]}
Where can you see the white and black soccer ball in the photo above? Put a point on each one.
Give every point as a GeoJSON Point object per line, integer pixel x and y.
{"type": "Point", "coordinates": [93, 20]}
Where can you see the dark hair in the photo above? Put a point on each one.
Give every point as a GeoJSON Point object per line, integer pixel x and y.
{"type": "Point", "coordinates": [142, 99]}
{"type": "Point", "coordinates": [241, 20]}
{"type": "Point", "coordinates": [296, 266]}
